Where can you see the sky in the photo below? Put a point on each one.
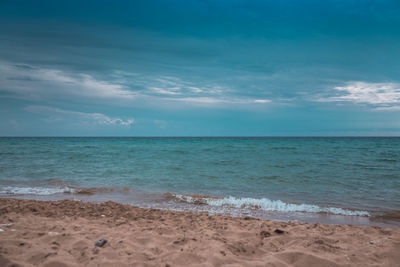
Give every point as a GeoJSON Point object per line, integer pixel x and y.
{"type": "Point", "coordinates": [200, 68]}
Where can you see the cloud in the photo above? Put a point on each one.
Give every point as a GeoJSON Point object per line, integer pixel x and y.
{"type": "Point", "coordinates": [175, 89]}
{"type": "Point", "coordinates": [56, 114]}
{"type": "Point", "coordinates": [202, 100]}
{"type": "Point", "coordinates": [163, 91]}
{"type": "Point", "coordinates": [262, 101]}
{"type": "Point", "coordinates": [393, 108]}
{"type": "Point", "coordinates": [169, 85]}
{"type": "Point", "coordinates": [43, 83]}
{"type": "Point", "coordinates": [219, 100]}
{"type": "Point", "coordinates": [381, 96]}
{"type": "Point", "coordinates": [39, 82]}
{"type": "Point", "coordinates": [195, 89]}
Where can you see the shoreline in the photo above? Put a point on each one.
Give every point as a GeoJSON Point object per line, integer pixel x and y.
{"type": "Point", "coordinates": [63, 233]}
{"type": "Point", "coordinates": [229, 206]}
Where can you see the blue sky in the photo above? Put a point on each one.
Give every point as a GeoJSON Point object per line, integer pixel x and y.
{"type": "Point", "coordinates": [195, 68]}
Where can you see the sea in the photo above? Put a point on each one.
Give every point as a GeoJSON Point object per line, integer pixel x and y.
{"type": "Point", "coordinates": [335, 180]}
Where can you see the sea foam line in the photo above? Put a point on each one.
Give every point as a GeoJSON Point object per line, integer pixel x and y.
{"type": "Point", "coordinates": [270, 205]}
{"type": "Point", "coordinates": [15, 190]}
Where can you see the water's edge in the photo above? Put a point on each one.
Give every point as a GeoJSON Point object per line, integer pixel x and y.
{"type": "Point", "coordinates": [230, 206]}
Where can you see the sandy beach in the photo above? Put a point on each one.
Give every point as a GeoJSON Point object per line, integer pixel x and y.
{"type": "Point", "coordinates": [63, 233]}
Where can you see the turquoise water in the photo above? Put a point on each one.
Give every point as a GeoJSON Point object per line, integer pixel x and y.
{"type": "Point", "coordinates": [275, 174]}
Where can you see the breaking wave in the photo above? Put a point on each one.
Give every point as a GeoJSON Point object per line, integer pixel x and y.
{"type": "Point", "coordinates": [266, 205]}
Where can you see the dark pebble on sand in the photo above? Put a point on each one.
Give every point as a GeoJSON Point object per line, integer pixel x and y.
{"type": "Point", "coordinates": [279, 231]}
{"type": "Point", "coordinates": [100, 243]}
{"type": "Point", "coordinates": [264, 234]}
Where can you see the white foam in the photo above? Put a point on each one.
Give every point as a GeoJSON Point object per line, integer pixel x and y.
{"type": "Point", "coordinates": [270, 205]}
{"type": "Point", "coordinates": [16, 190]}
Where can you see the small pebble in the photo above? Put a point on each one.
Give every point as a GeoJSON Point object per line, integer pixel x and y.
{"type": "Point", "coordinates": [264, 234]}
{"type": "Point", "coordinates": [100, 243]}
{"type": "Point", "coordinates": [279, 231]}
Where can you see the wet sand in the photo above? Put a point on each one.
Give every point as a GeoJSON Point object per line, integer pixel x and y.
{"type": "Point", "coordinates": [63, 233]}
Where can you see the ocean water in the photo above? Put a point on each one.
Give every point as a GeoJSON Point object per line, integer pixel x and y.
{"type": "Point", "coordinates": [308, 179]}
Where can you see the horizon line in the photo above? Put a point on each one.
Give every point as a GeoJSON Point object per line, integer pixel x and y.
{"type": "Point", "coordinates": [202, 136]}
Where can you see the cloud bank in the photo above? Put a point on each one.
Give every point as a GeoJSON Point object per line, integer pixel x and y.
{"type": "Point", "coordinates": [380, 96]}
{"type": "Point", "coordinates": [42, 83]}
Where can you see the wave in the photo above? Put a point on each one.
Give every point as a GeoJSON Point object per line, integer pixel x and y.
{"type": "Point", "coordinates": [266, 205]}
{"type": "Point", "coordinates": [28, 190]}
{"type": "Point", "coordinates": [57, 188]}
{"type": "Point", "coordinates": [263, 204]}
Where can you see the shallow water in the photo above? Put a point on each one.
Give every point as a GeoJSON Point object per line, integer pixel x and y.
{"type": "Point", "coordinates": [295, 177]}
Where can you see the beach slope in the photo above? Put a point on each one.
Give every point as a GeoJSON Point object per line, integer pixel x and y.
{"type": "Point", "coordinates": [63, 233]}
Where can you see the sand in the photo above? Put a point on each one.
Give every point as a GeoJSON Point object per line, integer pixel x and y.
{"type": "Point", "coordinates": [63, 233]}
